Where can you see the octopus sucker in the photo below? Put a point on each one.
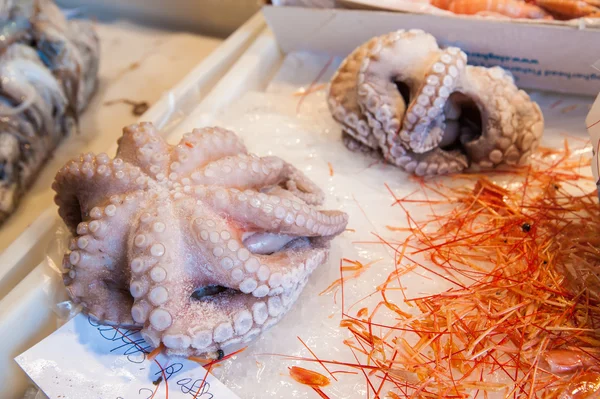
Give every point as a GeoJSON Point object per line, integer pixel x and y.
{"type": "Point", "coordinates": [427, 111]}
{"type": "Point", "coordinates": [200, 244]}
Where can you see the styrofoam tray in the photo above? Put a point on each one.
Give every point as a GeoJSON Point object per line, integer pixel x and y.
{"type": "Point", "coordinates": [264, 73]}
{"type": "Point", "coordinates": [29, 247]}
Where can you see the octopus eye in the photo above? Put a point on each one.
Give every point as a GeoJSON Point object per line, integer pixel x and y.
{"type": "Point", "coordinates": [209, 291]}
{"type": "Point", "coordinates": [404, 90]}
{"type": "Point", "coordinates": [463, 122]}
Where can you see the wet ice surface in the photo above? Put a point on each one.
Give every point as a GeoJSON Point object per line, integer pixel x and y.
{"type": "Point", "coordinates": [272, 123]}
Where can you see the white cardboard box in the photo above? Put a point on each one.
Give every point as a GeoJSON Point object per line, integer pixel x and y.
{"type": "Point", "coordinates": [557, 57]}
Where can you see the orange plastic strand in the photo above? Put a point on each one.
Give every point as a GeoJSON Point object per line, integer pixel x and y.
{"type": "Point", "coordinates": [519, 249]}
{"type": "Point", "coordinates": [155, 352]}
{"type": "Point", "coordinates": [308, 377]}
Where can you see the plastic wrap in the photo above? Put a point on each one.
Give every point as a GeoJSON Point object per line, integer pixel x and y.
{"type": "Point", "coordinates": [64, 310]}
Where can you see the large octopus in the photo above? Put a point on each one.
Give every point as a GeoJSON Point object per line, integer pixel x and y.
{"type": "Point", "coordinates": [201, 244]}
{"type": "Point", "coordinates": [429, 113]}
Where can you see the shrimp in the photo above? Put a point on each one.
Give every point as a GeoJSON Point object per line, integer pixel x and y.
{"type": "Point", "coordinates": [509, 8]}
{"type": "Point", "coordinates": [443, 4]}
{"type": "Point", "coordinates": [585, 386]}
{"type": "Point", "coordinates": [567, 361]}
{"type": "Point", "coordinates": [568, 9]}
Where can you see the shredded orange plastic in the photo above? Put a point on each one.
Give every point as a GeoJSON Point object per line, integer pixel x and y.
{"type": "Point", "coordinates": [155, 352]}
{"type": "Point", "coordinates": [521, 251]}
{"type": "Point", "coordinates": [308, 377]}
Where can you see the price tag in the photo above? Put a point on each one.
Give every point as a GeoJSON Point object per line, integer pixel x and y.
{"type": "Point", "coordinates": [84, 359]}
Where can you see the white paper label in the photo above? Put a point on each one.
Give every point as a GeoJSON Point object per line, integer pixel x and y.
{"type": "Point", "coordinates": [83, 359]}
{"type": "Point", "coordinates": [593, 126]}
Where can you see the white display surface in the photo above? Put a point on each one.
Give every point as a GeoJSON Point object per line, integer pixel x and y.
{"type": "Point", "coordinates": [271, 120]}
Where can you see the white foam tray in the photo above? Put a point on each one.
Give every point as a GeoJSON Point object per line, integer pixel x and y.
{"type": "Point", "coordinates": [27, 250]}
{"type": "Point", "coordinates": [25, 313]}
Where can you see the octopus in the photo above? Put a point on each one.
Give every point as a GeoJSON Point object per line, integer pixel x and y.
{"type": "Point", "coordinates": [424, 110]}
{"type": "Point", "coordinates": [201, 245]}
{"type": "Point", "coordinates": [49, 70]}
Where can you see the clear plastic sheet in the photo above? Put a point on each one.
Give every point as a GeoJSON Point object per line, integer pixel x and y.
{"type": "Point", "coordinates": [34, 393]}
{"type": "Point", "coordinates": [64, 310]}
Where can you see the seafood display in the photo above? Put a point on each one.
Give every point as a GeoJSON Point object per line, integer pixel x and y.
{"type": "Point", "coordinates": [48, 68]}
{"type": "Point", "coordinates": [201, 244]}
{"type": "Point", "coordinates": [560, 10]}
{"type": "Point", "coordinates": [427, 112]}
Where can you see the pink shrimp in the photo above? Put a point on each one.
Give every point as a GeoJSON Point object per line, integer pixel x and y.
{"type": "Point", "coordinates": [567, 361]}
{"type": "Point", "coordinates": [509, 8]}
{"type": "Point", "coordinates": [584, 386]}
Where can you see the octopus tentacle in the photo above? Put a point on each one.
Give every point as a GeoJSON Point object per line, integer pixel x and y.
{"type": "Point", "coordinates": [93, 276]}
{"type": "Point", "coordinates": [203, 146]}
{"type": "Point", "coordinates": [427, 106]}
{"type": "Point", "coordinates": [141, 145]}
{"type": "Point", "coordinates": [238, 268]}
{"type": "Point", "coordinates": [301, 186]}
{"type": "Point", "coordinates": [241, 171]}
{"type": "Point", "coordinates": [271, 213]}
{"type": "Point", "coordinates": [343, 97]}
{"type": "Point", "coordinates": [76, 184]}
{"type": "Point", "coordinates": [224, 319]}
{"type": "Point", "coordinates": [434, 162]}
{"type": "Point", "coordinates": [379, 97]}
{"type": "Point", "coordinates": [511, 124]}
{"type": "Point", "coordinates": [356, 146]}
{"type": "Point", "coordinates": [250, 171]}
{"type": "Point", "coordinates": [159, 284]}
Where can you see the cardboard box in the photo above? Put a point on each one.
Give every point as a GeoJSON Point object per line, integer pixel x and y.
{"type": "Point", "coordinates": [551, 56]}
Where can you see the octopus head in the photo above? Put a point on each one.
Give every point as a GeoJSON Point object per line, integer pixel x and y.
{"type": "Point", "coordinates": [201, 244]}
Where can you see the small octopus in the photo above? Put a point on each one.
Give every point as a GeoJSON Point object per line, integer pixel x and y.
{"type": "Point", "coordinates": [426, 111]}
{"type": "Point", "coordinates": [202, 244]}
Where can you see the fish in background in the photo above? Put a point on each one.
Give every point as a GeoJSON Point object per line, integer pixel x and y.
{"type": "Point", "coordinates": [48, 74]}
